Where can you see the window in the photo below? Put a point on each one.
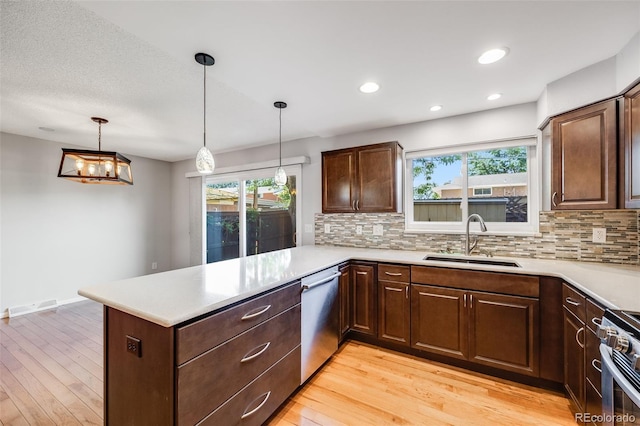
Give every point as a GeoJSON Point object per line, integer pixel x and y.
{"type": "Point", "coordinates": [247, 213]}
{"type": "Point", "coordinates": [493, 180]}
{"type": "Point", "coordinates": [478, 192]}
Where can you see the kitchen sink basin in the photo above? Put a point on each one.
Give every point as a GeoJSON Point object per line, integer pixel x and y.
{"type": "Point", "coordinates": [472, 260]}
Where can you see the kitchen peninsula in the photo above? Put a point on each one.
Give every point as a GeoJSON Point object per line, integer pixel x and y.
{"type": "Point", "coordinates": [162, 330]}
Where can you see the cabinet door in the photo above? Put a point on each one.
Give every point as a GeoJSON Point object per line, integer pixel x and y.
{"type": "Point", "coordinates": [439, 320]}
{"type": "Point", "coordinates": [503, 332]}
{"type": "Point", "coordinates": [584, 158]}
{"type": "Point", "coordinates": [376, 178]}
{"type": "Point", "coordinates": [345, 300]}
{"type": "Point", "coordinates": [363, 299]}
{"type": "Point", "coordinates": [338, 181]}
{"type": "Point", "coordinates": [393, 312]}
{"type": "Point", "coordinates": [574, 358]}
{"type": "Point", "coordinates": [631, 150]}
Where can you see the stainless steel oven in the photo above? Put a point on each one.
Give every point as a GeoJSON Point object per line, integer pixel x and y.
{"type": "Point", "coordinates": [620, 354]}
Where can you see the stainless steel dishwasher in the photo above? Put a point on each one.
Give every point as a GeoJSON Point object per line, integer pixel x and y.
{"type": "Point", "coordinates": [319, 320]}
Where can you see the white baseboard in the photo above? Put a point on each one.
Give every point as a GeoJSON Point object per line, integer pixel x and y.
{"type": "Point", "coordinates": [17, 311]}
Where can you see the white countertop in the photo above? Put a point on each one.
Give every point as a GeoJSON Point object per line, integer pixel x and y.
{"type": "Point", "coordinates": [169, 298]}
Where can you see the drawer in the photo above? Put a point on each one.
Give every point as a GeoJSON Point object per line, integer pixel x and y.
{"type": "Point", "coordinates": [209, 332]}
{"type": "Point", "coordinates": [594, 315]}
{"type": "Point", "coordinates": [593, 365]}
{"type": "Point", "coordinates": [513, 284]}
{"type": "Point", "coordinates": [204, 383]}
{"type": "Point", "coordinates": [262, 397]}
{"type": "Point", "coordinates": [574, 302]}
{"type": "Point", "coordinates": [394, 273]}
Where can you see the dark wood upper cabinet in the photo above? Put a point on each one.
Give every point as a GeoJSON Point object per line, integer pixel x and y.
{"type": "Point", "coordinates": [630, 151]}
{"type": "Point", "coordinates": [584, 158]}
{"type": "Point", "coordinates": [362, 179]}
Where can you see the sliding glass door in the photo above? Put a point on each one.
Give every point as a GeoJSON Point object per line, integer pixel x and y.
{"type": "Point", "coordinates": [248, 214]}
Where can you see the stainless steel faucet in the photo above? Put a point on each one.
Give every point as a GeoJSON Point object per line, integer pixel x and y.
{"type": "Point", "coordinates": [468, 248]}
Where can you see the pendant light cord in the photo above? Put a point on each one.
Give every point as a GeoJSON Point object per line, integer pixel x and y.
{"type": "Point", "coordinates": [205, 105]}
{"type": "Point", "coordinates": [280, 137]}
{"type": "Point", "coordinates": [99, 136]}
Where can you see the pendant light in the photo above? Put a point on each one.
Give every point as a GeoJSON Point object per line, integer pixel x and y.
{"type": "Point", "coordinates": [281, 175]}
{"type": "Point", "coordinates": [97, 167]}
{"type": "Point", "coordinates": [204, 158]}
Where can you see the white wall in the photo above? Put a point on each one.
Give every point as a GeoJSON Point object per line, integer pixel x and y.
{"type": "Point", "coordinates": [57, 235]}
{"type": "Point", "coordinates": [628, 63]}
{"type": "Point", "coordinates": [594, 83]}
{"type": "Point", "coordinates": [501, 123]}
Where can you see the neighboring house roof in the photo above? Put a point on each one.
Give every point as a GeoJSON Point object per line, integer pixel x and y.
{"type": "Point", "coordinates": [485, 181]}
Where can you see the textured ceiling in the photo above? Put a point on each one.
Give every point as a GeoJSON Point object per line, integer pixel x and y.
{"type": "Point", "coordinates": [132, 63]}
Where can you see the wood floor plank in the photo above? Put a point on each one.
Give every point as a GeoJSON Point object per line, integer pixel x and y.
{"type": "Point", "coordinates": [369, 385]}
{"type": "Point", "coordinates": [62, 406]}
{"type": "Point", "coordinates": [75, 387]}
{"type": "Point", "coordinates": [9, 413]}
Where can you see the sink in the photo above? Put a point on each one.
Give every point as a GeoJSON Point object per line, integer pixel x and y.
{"type": "Point", "coordinates": [472, 260]}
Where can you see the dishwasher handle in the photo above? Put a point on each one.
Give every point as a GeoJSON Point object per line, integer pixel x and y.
{"type": "Point", "coordinates": [320, 282]}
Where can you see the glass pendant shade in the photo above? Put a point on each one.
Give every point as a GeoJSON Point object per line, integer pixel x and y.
{"type": "Point", "coordinates": [204, 158]}
{"type": "Point", "coordinates": [204, 161]}
{"type": "Point", "coordinates": [280, 177]}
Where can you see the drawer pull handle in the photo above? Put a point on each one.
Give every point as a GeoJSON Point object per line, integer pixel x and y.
{"type": "Point", "coordinates": [571, 301]}
{"type": "Point", "coordinates": [257, 354]}
{"type": "Point", "coordinates": [361, 273]}
{"type": "Point", "coordinates": [581, 329]}
{"type": "Point", "coordinates": [593, 364]}
{"type": "Point", "coordinates": [393, 274]}
{"type": "Point", "coordinates": [264, 401]}
{"type": "Point", "coordinates": [597, 321]}
{"type": "Point", "coordinates": [553, 199]}
{"type": "Point", "coordinates": [253, 314]}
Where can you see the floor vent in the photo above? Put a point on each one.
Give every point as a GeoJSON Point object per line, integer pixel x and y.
{"type": "Point", "coordinates": [34, 307]}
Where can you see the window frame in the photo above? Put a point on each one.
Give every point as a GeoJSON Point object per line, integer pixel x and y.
{"type": "Point", "coordinates": [531, 227]}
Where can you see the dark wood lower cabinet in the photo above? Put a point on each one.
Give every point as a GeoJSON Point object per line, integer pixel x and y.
{"type": "Point", "coordinates": [345, 300]}
{"type": "Point", "coordinates": [574, 358]}
{"type": "Point", "coordinates": [491, 329]}
{"type": "Point", "coordinates": [503, 332]}
{"type": "Point", "coordinates": [364, 306]}
{"type": "Point", "coordinates": [394, 312]}
{"type": "Point", "coordinates": [439, 320]}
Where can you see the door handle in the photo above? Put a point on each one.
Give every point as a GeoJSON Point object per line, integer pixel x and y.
{"type": "Point", "coordinates": [255, 314]}
{"type": "Point", "coordinates": [553, 199]}
{"type": "Point", "coordinates": [581, 329]}
{"type": "Point", "coordinates": [320, 282]}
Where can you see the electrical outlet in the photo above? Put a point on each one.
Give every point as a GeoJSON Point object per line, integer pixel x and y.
{"type": "Point", "coordinates": [154, 265]}
{"type": "Point", "coordinates": [134, 346]}
{"type": "Point", "coordinates": [327, 228]}
{"type": "Point", "coordinates": [377, 230]}
{"type": "Point", "coordinates": [599, 235]}
{"type": "Point", "coordinates": [358, 229]}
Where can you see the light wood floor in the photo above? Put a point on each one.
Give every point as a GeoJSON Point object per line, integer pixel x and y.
{"type": "Point", "coordinates": [51, 374]}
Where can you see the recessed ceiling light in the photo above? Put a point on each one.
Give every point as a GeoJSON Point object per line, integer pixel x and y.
{"type": "Point", "coordinates": [494, 96]}
{"type": "Point", "coordinates": [493, 55]}
{"type": "Point", "coordinates": [369, 87]}
{"type": "Point", "coordinates": [47, 129]}
{"type": "Point", "coordinates": [435, 108]}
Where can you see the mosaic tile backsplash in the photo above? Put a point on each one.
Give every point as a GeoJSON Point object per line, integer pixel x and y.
{"type": "Point", "coordinates": [564, 235]}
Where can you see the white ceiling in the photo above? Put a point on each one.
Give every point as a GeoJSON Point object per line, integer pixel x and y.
{"type": "Point", "coordinates": [132, 62]}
